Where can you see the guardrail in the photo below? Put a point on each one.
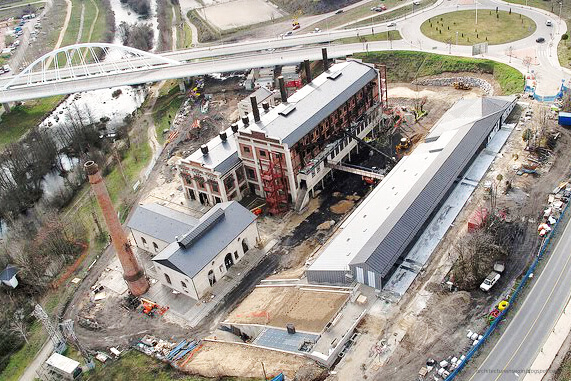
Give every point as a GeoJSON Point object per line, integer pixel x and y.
{"type": "Point", "coordinates": [512, 298]}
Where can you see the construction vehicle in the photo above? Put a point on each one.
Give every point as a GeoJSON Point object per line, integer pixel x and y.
{"type": "Point", "coordinates": [149, 307]}
{"type": "Point", "coordinates": [461, 86]}
{"type": "Point", "coordinates": [493, 277]}
{"type": "Point", "coordinates": [403, 145]}
{"type": "Point", "coordinates": [294, 22]}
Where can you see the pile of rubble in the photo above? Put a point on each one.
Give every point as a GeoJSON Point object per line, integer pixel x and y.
{"type": "Point", "coordinates": [485, 86]}
{"type": "Point", "coordinates": [557, 201]}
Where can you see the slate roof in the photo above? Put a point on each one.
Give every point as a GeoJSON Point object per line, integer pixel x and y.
{"type": "Point", "coordinates": [161, 222]}
{"type": "Point", "coordinates": [216, 230]}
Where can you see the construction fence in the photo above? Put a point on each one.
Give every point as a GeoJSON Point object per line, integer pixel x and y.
{"type": "Point", "coordinates": [512, 299]}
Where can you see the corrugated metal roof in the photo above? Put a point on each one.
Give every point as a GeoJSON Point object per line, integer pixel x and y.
{"type": "Point", "coordinates": [417, 182]}
{"type": "Point", "coordinates": [193, 258]}
{"type": "Point", "coordinates": [160, 222]}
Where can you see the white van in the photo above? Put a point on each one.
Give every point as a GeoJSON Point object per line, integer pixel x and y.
{"type": "Point", "coordinates": [548, 23]}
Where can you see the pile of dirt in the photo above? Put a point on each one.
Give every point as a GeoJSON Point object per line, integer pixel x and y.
{"type": "Point", "coordinates": [342, 207]}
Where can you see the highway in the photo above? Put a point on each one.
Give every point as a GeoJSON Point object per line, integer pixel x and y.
{"type": "Point", "coordinates": [529, 327]}
{"type": "Point", "coordinates": [294, 49]}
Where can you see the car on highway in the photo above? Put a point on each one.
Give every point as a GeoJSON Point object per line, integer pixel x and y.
{"type": "Point", "coordinates": [417, 2]}
{"type": "Point", "coordinates": [296, 27]}
{"type": "Point", "coordinates": [316, 30]}
{"type": "Point", "coordinates": [540, 40]}
{"type": "Point", "coordinates": [287, 34]}
{"type": "Point", "coordinates": [391, 24]}
{"type": "Point", "coordinates": [380, 8]}
{"type": "Point", "coordinates": [338, 11]}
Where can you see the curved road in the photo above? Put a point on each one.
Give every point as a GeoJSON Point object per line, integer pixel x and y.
{"type": "Point", "coordinates": [248, 54]}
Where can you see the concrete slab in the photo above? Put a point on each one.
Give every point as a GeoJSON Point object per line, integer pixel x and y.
{"type": "Point", "coordinates": [112, 278]}
{"type": "Point", "coordinates": [405, 274]}
{"type": "Point", "coordinates": [280, 339]}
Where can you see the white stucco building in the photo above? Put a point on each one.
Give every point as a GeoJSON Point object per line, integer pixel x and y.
{"type": "Point", "coordinates": [192, 263]}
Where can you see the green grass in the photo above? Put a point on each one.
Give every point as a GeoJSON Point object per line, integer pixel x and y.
{"type": "Point", "coordinates": [392, 15]}
{"type": "Point", "coordinates": [383, 36]}
{"type": "Point", "coordinates": [165, 110]}
{"type": "Point", "coordinates": [20, 360]}
{"type": "Point", "coordinates": [22, 118]}
{"type": "Point", "coordinates": [134, 365]}
{"type": "Point", "coordinates": [405, 66]}
{"type": "Point", "coordinates": [493, 28]}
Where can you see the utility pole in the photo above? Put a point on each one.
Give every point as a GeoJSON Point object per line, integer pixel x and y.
{"type": "Point", "coordinates": [456, 37]}
{"type": "Point", "coordinates": [264, 370]}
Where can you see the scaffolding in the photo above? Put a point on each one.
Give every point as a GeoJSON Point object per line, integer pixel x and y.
{"type": "Point", "coordinates": [274, 182]}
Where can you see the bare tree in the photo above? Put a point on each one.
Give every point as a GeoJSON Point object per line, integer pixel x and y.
{"type": "Point", "coordinates": [19, 325]}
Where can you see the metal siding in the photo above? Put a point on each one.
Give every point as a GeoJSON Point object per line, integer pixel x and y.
{"type": "Point", "coordinates": [371, 280]}
{"type": "Point", "coordinates": [382, 258]}
{"type": "Point", "coordinates": [327, 277]}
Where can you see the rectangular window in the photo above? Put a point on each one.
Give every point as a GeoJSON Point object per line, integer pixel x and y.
{"type": "Point", "coordinates": [214, 186]}
{"type": "Point", "coordinates": [247, 149]}
{"type": "Point", "coordinates": [250, 173]}
{"type": "Point", "coordinates": [262, 153]}
{"type": "Point", "coordinates": [240, 174]}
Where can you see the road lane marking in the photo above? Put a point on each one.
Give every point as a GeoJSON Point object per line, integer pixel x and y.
{"type": "Point", "coordinates": [503, 335]}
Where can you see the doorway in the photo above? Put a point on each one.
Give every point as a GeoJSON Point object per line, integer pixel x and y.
{"type": "Point", "coordinates": [245, 246]}
{"type": "Point", "coordinates": [228, 261]}
{"type": "Point", "coordinates": [211, 278]}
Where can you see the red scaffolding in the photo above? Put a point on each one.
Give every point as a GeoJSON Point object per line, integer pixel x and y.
{"type": "Point", "coordinates": [274, 183]}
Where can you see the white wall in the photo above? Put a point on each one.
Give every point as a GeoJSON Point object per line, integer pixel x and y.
{"type": "Point", "coordinates": [176, 278]}
{"type": "Point", "coordinates": [201, 279]}
{"type": "Point", "coordinates": [199, 285]}
{"type": "Point", "coordinates": [138, 240]}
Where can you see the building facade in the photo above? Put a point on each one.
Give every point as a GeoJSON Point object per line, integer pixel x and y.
{"type": "Point", "coordinates": [195, 261]}
{"type": "Point", "coordinates": [282, 153]}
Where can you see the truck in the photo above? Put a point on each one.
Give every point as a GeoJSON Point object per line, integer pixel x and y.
{"type": "Point", "coordinates": [493, 277]}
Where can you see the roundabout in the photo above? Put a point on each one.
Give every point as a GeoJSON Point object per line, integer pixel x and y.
{"type": "Point", "coordinates": [465, 28]}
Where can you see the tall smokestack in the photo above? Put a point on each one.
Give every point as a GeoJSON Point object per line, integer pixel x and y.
{"type": "Point", "coordinates": [132, 270]}
{"type": "Point", "coordinates": [283, 91]}
{"type": "Point", "coordinates": [255, 109]}
{"type": "Point", "coordinates": [307, 71]}
{"type": "Point", "coordinates": [325, 61]}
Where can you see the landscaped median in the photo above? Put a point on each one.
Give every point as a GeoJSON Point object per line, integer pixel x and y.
{"type": "Point", "coordinates": [406, 66]}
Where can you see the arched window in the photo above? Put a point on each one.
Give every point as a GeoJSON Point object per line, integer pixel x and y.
{"type": "Point", "coordinates": [211, 277]}
{"type": "Point", "coordinates": [156, 246]}
{"type": "Point", "coordinates": [236, 255]}
{"type": "Point", "coordinates": [144, 241]}
{"type": "Point", "coordinates": [168, 278]}
{"type": "Point", "coordinates": [183, 284]}
{"type": "Point", "coordinates": [245, 247]}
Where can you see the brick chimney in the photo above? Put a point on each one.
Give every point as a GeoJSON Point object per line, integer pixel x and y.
{"type": "Point", "coordinates": [132, 271]}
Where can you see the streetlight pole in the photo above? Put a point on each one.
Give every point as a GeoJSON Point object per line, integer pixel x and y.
{"type": "Point", "coordinates": [476, 2]}
{"type": "Point", "coordinates": [560, 7]}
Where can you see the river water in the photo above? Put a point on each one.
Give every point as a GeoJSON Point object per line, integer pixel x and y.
{"type": "Point", "coordinates": [101, 103]}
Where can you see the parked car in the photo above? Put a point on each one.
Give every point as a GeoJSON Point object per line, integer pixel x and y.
{"type": "Point", "coordinates": [540, 40]}
{"type": "Point", "coordinates": [549, 23]}
{"type": "Point", "coordinates": [391, 24]}
{"type": "Point", "coordinates": [287, 34]}
{"type": "Point", "coordinates": [493, 277]}
{"type": "Point", "coordinates": [339, 11]}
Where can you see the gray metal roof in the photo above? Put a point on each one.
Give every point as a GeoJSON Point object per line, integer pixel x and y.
{"type": "Point", "coordinates": [398, 231]}
{"type": "Point", "coordinates": [382, 226]}
{"type": "Point", "coordinates": [220, 232]}
{"type": "Point", "coordinates": [311, 104]}
{"type": "Point", "coordinates": [160, 222]}
{"type": "Point", "coordinates": [316, 101]}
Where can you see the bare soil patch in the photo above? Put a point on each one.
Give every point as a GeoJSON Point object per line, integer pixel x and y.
{"type": "Point", "coordinates": [216, 359]}
{"type": "Point", "coordinates": [277, 306]}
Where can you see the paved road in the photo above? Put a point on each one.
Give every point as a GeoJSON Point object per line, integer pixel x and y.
{"type": "Point", "coordinates": [248, 54]}
{"type": "Point", "coordinates": [528, 329]}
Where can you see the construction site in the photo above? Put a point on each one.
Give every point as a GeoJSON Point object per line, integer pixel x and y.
{"type": "Point", "coordinates": [333, 231]}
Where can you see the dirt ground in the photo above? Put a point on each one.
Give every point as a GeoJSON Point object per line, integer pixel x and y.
{"type": "Point", "coordinates": [213, 360]}
{"type": "Point", "coordinates": [240, 13]}
{"type": "Point", "coordinates": [277, 306]}
{"type": "Point", "coordinates": [432, 322]}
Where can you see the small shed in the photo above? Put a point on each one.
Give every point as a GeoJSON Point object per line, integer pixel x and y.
{"type": "Point", "coordinates": [8, 276]}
